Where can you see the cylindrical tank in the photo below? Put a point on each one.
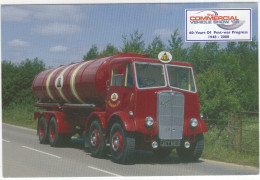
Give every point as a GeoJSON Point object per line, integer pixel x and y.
{"type": "Point", "coordinates": [76, 83]}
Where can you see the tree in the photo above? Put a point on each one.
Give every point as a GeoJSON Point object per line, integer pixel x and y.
{"type": "Point", "coordinates": [17, 80]}
{"type": "Point", "coordinates": [92, 53]}
{"type": "Point", "coordinates": [216, 95]}
{"type": "Point", "coordinates": [175, 47]}
{"type": "Point", "coordinates": [155, 47]}
{"type": "Point", "coordinates": [135, 44]}
{"type": "Point", "coordinates": [109, 51]}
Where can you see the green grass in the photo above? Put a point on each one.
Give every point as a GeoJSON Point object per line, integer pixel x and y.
{"type": "Point", "coordinates": [215, 148]}
{"type": "Point", "coordinates": [20, 115]}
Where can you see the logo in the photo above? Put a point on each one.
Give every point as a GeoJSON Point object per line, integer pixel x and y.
{"type": "Point", "coordinates": [165, 57]}
{"type": "Point", "coordinates": [218, 24]}
{"type": "Point", "coordinates": [211, 17]}
{"type": "Point", "coordinates": [59, 82]}
{"type": "Point", "coordinates": [114, 96]}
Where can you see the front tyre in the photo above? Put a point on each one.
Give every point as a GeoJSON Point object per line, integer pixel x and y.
{"type": "Point", "coordinates": [96, 141]}
{"type": "Point", "coordinates": [193, 153]}
{"type": "Point", "coordinates": [122, 144]}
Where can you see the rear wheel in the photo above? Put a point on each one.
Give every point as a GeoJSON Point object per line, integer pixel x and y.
{"type": "Point", "coordinates": [194, 152]}
{"type": "Point", "coordinates": [122, 144]}
{"type": "Point", "coordinates": [55, 138]}
{"type": "Point", "coordinates": [96, 140]}
{"type": "Point", "coordinates": [42, 130]}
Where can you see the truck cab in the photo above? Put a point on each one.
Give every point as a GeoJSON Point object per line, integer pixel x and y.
{"type": "Point", "coordinates": [159, 101]}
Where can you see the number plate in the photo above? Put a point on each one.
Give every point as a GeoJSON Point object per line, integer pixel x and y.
{"type": "Point", "coordinates": [167, 143]}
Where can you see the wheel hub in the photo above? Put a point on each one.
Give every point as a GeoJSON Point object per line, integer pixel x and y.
{"type": "Point", "coordinates": [115, 142]}
{"type": "Point", "coordinates": [94, 139]}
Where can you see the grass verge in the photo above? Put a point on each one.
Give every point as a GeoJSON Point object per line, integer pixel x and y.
{"type": "Point", "coordinates": [215, 148]}
{"type": "Point", "coordinates": [20, 115]}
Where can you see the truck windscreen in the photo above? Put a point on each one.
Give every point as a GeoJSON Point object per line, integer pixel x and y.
{"type": "Point", "coordinates": [181, 77]}
{"type": "Point", "coordinates": [150, 75]}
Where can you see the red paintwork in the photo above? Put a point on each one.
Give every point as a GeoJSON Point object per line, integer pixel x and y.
{"type": "Point", "coordinates": [92, 86]}
{"type": "Point", "coordinates": [64, 123]}
{"type": "Point", "coordinates": [101, 116]}
{"type": "Point", "coordinates": [128, 123]}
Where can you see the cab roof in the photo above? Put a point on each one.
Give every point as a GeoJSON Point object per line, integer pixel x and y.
{"type": "Point", "coordinates": [129, 57]}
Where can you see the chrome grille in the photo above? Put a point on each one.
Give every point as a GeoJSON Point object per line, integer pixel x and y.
{"type": "Point", "coordinates": [170, 114]}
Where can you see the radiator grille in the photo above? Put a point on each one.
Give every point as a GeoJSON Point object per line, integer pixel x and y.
{"type": "Point", "coordinates": [170, 114]}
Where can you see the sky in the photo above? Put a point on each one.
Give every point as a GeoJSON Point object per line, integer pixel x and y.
{"type": "Point", "coordinates": [61, 34]}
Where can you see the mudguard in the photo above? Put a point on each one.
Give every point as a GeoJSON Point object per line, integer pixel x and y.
{"type": "Point", "coordinates": [96, 115]}
{"type": "Point", "coordinates": [128, 123]}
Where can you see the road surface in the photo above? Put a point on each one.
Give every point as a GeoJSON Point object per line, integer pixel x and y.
{"type": "Point", "coordinates": [23, 156]}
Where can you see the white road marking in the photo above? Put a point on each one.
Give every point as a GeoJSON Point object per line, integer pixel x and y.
{"type": "Point", "coordinates": [104, 171]}
{"type": "Point", "coordinates": [41, 152]}
{"type": "Point", "coordinates": [6, 140]}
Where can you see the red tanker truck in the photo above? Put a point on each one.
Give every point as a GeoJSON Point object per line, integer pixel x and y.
{"type": "Point", "coordinates": [127, 101]}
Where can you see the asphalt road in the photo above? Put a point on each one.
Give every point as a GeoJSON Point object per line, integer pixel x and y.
{"type": "Point", "coordinates": [23, 156]}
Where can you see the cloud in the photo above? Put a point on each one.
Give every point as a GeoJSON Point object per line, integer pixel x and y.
{"type": "Point", "coordinates": [163, 33]}
{"type": "Point", "coordinates": [14, 14]}
{"type": "Point", "coordinates": [42, 12]}
{"type": "Point", "coordinates": [56, 29]}
{"type": "Point", "coordinates": [58, 49]}
{"type": "Point", "coordinates": [18, 43]}
{"type": "Point", "coordinates": [57, 12]}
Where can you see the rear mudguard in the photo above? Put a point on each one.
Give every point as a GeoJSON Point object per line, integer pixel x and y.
{"type": "Point", "coordinates": [64, 125]}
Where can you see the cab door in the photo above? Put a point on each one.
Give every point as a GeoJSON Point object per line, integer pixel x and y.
{"type": "Point", "coordinates": [120, 96]}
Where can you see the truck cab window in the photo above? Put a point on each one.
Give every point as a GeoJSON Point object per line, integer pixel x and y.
{"type": "Point", "coordinates": [116, 79]}
{"type": "Point", "coordinates": [181, 78]}
{"type": "Point", "coordinates": [150, 75]}
{"type": "Point", "coordinates": [129, 83]}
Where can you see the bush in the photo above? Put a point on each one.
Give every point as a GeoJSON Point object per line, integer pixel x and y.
{"type": "Point", "coordinates": [216, 96]}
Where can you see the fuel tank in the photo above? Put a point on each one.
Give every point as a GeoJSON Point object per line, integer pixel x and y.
{"type": "Point", "coordinates": [77, 83]}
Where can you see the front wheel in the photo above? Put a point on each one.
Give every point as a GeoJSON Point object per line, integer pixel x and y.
{"type": "Point", "coordinates": [96, 140]}
{"type": "Point", "coordinates": [122, 144]}
{"type": "Point", "coordinates": [195, 150]}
